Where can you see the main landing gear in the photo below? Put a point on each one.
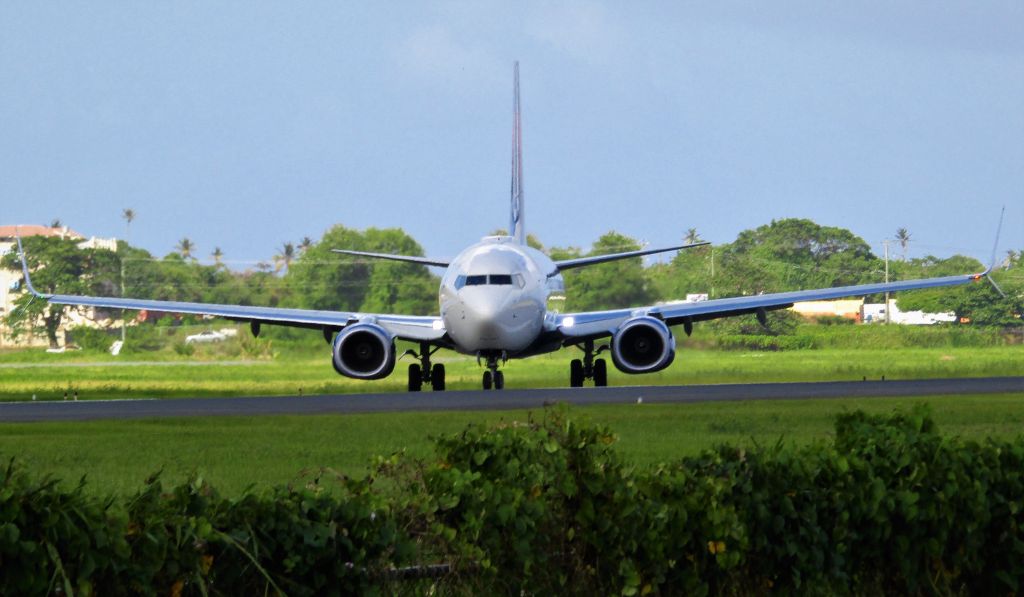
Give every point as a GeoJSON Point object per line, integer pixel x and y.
{"type": "Point", "coordinates": [589, 367]}
{"type": "Point", "coordinates": [422, 372]}
{"type": "Point", "coordinates": [492, 377]}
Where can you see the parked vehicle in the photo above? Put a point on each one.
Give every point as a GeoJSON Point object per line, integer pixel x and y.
{"type": "Point", "coordinates": [205, 337]}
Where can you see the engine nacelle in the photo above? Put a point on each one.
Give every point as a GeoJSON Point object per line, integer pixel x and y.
{"type": "Point", "coordinates": [643, 345]}
{"type": "Point", "coordinates": [364, 351]}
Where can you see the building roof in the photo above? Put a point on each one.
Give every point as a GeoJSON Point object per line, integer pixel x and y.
{"type": "Point", "coordinates": [9, 232]}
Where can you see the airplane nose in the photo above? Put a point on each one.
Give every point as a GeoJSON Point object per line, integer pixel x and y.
{"type": "Point", "coordinates": [483, 315]}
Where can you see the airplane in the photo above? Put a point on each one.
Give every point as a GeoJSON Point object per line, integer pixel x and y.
{"type": "Point", "coordinates": [493, 304]}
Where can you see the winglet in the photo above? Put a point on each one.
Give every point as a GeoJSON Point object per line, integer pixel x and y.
{"type": "Point", "coordinates": [24, 265]}
{"type": "Point", "coordinates": [992, 262]}
{"type": "Point", "coordinates": [995, 247]}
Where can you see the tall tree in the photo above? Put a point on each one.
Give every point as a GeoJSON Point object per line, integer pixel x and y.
{"type": "Point", "coordinates": [129, 215]}
{"type": "Point", "coordinates": [903, 238]}
{"type": "Point", "coordinates": [186, 247]}
{"type": "Point", "coordinates": [692, 237]}
{"type": "Point", "coordinates": [284, 257]}
{"type": "Point", "coordinates": [348, 283]}
{"type": "Point", "coordinates": [59, 267]}
{"type": "Point", "coordinates": [610, 285]}
{"type": "Point", "coordinates": [305, 244]}
{"type": "Point", "coordinates": [217, 255]}
{"type": "Point", "coordinates": [794, 254]}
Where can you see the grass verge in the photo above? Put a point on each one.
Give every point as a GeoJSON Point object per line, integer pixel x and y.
{"type": "Point", "coordinates": [239, 452]}
{"type": "Point", "coordinates": [313, 374]}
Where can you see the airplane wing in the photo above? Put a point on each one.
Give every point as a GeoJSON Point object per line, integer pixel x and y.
{"type": "Point", "coordinates": [597, 324]}
{"type": "Point", "coordinates": [565, 264]}
{"type": "Point", "coordinates": [405, 258]}
{"type": "Point", "coordinates": [405, 327]}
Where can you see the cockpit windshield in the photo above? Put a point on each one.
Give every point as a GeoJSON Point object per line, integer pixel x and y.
{"type": "Point", "coordinates": [490, 280]}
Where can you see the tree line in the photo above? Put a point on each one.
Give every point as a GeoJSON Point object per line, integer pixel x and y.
{"type": "Point", "coordinates": [788, 254]}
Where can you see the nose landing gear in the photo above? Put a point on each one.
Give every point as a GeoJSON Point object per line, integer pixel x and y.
{"type": "Point", "coordinates": [588, 367]}
{"type": "Point", "coordinates": [422, 372]}
{"type": "Point", "coordinates": [493, 377]}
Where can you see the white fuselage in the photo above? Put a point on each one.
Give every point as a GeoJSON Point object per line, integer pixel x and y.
{"type": "Point", "coordinates": [494, 296]}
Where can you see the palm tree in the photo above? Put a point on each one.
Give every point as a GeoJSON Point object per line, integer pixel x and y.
{"type": "Point", "coordinates": [128, 214]}
{"type": "Point", "coordinates": [56, 223]}
{"type": "Point", "coordinates": [691, 236]}
{"type": "Point", "coordinates": [186, 247]}
{"type": "Point", "coordinates": [284, 259]}
{"type": "Point", "coordinates": [217, 255]}
{"type": "Point", "coordinates": [1011, 256]}
{"type": "Point", "coordinates": [903, 237]}
{"type": "Point", "coordinates": [305, 244]}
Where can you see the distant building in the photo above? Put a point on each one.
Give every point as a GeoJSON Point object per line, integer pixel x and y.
{"type": "Point", "coordinates": [875, 313]}
{"type": "Point", "coordinates": [10, 285]}
{"type": "Point", "coordinates": [847, 309]}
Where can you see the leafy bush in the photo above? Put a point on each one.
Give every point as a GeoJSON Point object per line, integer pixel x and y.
{"type": "Point", "coordinates": [91, 338]}
{"type": "Point", "coordinates": [834, 320]}
{"type": "Point", "coordinates": [739, 342]}
{"type": "Point", "coordinates": [888, 506]}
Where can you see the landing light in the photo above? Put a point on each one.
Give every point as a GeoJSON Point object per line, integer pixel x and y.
{"type": "Point", "coordinates": [568, 322]}
{"type": "Point", "coordinates": [438, 324]}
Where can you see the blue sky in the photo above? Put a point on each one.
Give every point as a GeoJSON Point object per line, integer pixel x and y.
{"type": "Point", "coordinates": [243, 125]}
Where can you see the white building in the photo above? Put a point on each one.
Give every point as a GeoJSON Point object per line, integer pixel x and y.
{"type": "Point", "coordinates": [875, 313]}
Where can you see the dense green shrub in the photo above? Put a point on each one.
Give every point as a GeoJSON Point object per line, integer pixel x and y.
{"type": "Point", "coordinates": [742, 342]}
{"type": "Point", "coordinates": [888, 506]}
{"type": "Point", "coordinates": [91, 338]}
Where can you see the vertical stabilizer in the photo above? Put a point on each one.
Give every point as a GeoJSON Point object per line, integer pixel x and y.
{"type": "Point", "coordinates": [515, 227]}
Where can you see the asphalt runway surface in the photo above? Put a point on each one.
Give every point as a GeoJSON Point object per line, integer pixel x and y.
{"type": "Point", "coordinates": [492, 400]}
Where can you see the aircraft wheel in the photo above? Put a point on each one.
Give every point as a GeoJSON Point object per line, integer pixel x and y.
{"type": "Point", "coordinates": [415, 378]}
{"type": "Point", "coordinates": [437, 378]}
{"type": "Point", "coordinates": [576, 373]}
{"type": "Point", "coordinates": [600, 373]}
{"type": "Point", "coordinates": [499, 380]}
{"type": "Point", "coordinates": [487, 380]}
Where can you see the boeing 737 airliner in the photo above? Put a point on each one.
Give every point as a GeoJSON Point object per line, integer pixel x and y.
{"type": "Point", "coordinates": [493, 304]}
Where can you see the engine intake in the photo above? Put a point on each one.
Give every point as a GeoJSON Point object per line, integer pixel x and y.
{"type": "Point", "coordinates": [643, 345]}
{"type": "Point", "coordinates": [364, 351]}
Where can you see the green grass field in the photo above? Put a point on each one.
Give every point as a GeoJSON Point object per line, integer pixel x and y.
{"type": "Point", "coordinates": [237, 452]}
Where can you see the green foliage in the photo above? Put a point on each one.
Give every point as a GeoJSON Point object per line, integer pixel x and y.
{"type": "Point", "coordinates": [889, 506]}
{"type": "Point", "coordinates": [332, 281]}
{"type": "Point", "coordinates": [978, 303]}
{"type": "Point", "coordinates": [619, 283]}
{"type": "Point", "coordinates": [91, 338]}
{"type": "Point", "coordinates": [60, 268]}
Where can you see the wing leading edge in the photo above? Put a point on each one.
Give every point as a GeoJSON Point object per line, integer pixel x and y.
{"type": "Point", "coordinates": [405, 327]}
{"type": "Point", "coordinates": [597, 324]}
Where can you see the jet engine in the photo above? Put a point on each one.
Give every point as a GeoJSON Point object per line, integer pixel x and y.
{"type": "Point", "coordinates": [643, 345]}
{"type": "Point", "coordinates": [364, 351]}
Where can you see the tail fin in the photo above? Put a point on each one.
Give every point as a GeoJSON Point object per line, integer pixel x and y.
{"type": "Point", "coordinates": [516, 227]}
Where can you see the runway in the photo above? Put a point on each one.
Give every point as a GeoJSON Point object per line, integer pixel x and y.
{"type": "Point", "coordinates": [491, 400]}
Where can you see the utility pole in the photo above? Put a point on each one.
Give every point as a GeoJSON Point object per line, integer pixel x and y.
{"type": "Point", "coordinates": [886, 244]}
{"type": "Point", "coordinates": [123, 322]}
{"type": "Point", "coordinates": [712, 271]}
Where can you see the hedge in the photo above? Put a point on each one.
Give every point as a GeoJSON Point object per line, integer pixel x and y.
{"type": "Point", "coordinates": [548, 506]}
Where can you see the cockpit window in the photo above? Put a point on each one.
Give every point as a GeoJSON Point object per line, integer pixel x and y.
{"type": "Point", "coordinates": [492, 279]}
